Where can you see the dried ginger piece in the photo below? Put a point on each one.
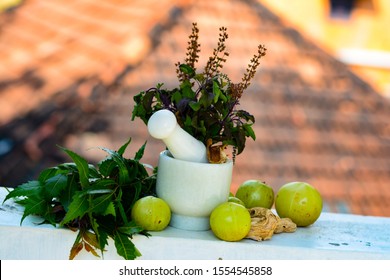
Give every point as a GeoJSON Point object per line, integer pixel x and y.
{"type": "Point", "coordinates": [285, 225]}
{"type": "Point", "coordinates": [215, 152]}
{"type": "Point", "coordinates": [265, 223]}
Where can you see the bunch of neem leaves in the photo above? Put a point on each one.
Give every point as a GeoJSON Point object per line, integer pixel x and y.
{"type": "Point", "coordinates": [96, 201]}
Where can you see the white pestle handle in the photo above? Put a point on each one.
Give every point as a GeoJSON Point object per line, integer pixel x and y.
{"type": "Point", "coordinates": [163, 125]}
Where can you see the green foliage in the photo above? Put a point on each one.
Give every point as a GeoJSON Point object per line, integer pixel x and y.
{"type": "Point", "coordinates": [204, 103]}
{"type": "Point", "coordinates": [95, 200]}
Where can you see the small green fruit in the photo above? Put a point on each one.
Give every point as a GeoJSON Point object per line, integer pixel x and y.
{"type": "Point", "coordinates": [230, 221]}
{"type": "Point", "coordinates": [255, 193]}
{"type": "Point", "coordinates": [300, 202]}
{"type": "Point", "coordinates": [151, 213]}
{"type": "Point", "coordinates": [236, 200]}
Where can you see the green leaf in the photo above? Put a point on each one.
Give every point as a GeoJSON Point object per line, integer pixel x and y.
{"type": "Point", "coordinates": [140, 112]}
{"type": "Point", "coordinates": [93, 172]}
{"type": "Point", "coordinates": [27, 189]}
{"type": "Point", "coordinates": [206, 99]}
{"type": "Point", "coordinates": [102, 205]}
{"type": "Point", "coordinates": [121, 162]}
{"type": "Point", "coordinates": [99, 191]}
{"type": "Point", "coordinates": [96, 202]}
{"type": "Point", "coordinates": [188, 70]}
{"type": "Point", "coordinates": [249, 130]}
{"type": "Point", "coordinates": [194, 105]}
{"type": "Point", "coordinates": [37, 205]}
{"type": "Point", "coordinates": [48, 173]}
{"type": "Point", "coordinates": [176, 97]}
{"type": "Point", "coordinates": [142, 173]}
{"type": "Point", "coordinates": [100, 231]}
{"type": "Point", "coordinates": [101, 186]}
{"type": "Point", "coordinates": [140, 153]}
{"type": "Point", "coordinates": [188, 121]}
{"type": "Point", "coordinates": [72, 186]}
{"type": "Point", "coordinates": [125, 247]}
{"type": "Point", "coordinates": [77, 208]}
{"type": "Point", "coordinates": [199, 77]}
{"type": "Point", "coordinates": [148, 99]}
{"type": "Point", "coordinates": [110, 210]}
{"type": "Point", "coordinates": [216, 90]}
{"type": "Point", "coordinates": [55, 185]}
{"type": "Point", "coordinates": [82, 166]}
{"type": "Point", "coordinates": [242, 114]}
{"type": "Point", "coordinates": [107, 166]}
{"type": "Point", "coordinates": [68, 167]}
{"type": "Point", "coordinates": [137, 186]}
{"type": "Point", "coordinates": [131, 229]}
{"type": "Point", "coordinates": [119, 206]}
{"type": "Point", "coordinates": [186, 89]}
{"type": "Point", "coordinates": [123, 148]}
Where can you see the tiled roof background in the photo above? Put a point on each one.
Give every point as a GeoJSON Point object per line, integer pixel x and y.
{"type": "Point", "coordinates": [70, 68]}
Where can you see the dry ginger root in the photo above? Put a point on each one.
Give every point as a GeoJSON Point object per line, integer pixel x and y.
{"type": "Point", "coordinates": [265, 223]}
{"type": "Point", "coordinates": [215, 152]}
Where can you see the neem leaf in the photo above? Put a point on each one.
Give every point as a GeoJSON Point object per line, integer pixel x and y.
{"type": "Point", "coordinates": [77, 208]}
{"type": "Point", "coordinates": [26, 189]}
{"type": "Point", "coordinates": [90, 249]}
{"type": "Point", "coordinates": [37, 205]}
{"type": "Point", "coordinates": [72, 186]}
{"type": "Point", "coordinates": [69, 166]}
{"type": "Point", "coordinates": [64, 168]}
{"type": "Point", "coordinates": [107, 166]}
{"type": "Point", "coordinates": [131, 229]}
{"type": "Point", "coordinates": [121, 162]}
{"type": "Point", "coordinates": [47, 173]}
{"type": "Point", "coordinates": [82, 166]}
{"type": "Point", "coordinates": [110, 210]}
{"type": "Point", "coordinates": [91, 239]}
{"type": "Point", "coordinates": [125, 247]}
{"type": "Point", "coordinates": [96, 202]}
{"type": "Point", "coordinates": [55, 185]}
{"type": "Point", "coordinates": [76, 248]}
{"type": "Point", "coordinates": [140, 153]}
{"type": "Point", "coordinates": [122, 149]}
{"type": "Point", "coordinates": [119, 206]}
{"type": "Point", "coordinates": [99, 232]}
{"type": "Point", "coordinates": [101, 186]}
{"type": "Point", "coordinates": [103, 205]}
{"type": "Point", "coordinates": [93, 172]}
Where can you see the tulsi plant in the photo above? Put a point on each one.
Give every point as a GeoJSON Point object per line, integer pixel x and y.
{"type": "Point", "coordinates": [205, 102]}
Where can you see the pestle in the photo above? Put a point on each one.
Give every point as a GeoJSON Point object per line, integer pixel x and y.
{"type": "Point", "coordinates": [163, 125]}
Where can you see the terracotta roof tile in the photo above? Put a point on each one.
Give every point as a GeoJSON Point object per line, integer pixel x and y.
{"type": "Point", "coordinates": [77, 64]}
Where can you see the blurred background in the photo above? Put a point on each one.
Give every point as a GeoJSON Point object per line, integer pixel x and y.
{"type": "Point", "coordinates": [354, 31]}
{"type": "Point", "coordinates": [69, 70]}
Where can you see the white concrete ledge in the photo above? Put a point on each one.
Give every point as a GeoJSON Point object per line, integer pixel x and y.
{"type": "Point", "coordinates": [333, 236]}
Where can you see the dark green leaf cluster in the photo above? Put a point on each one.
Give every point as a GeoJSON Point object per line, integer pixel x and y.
{"type": "Point", "coordinates": [204, 103]}
{"type": "Point", "coordinates": [95, 200]}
